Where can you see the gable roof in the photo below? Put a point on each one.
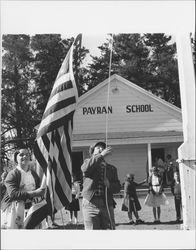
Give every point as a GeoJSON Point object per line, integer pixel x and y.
{"type": "Point", "coordinates": [161, 123]}
{"type": "Point", "coordinates": [129, 84]}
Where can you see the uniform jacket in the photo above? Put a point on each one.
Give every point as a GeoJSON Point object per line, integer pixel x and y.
{"type": "Point", "coordinates": [91, 173]}
{"type": "Point", "coordinates": [13, 192]}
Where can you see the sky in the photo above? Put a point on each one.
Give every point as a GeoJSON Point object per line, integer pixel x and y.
{"type": "Point", "coordinates": [95, 19]}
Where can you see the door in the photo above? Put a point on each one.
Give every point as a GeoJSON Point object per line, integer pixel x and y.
{"type": "Point", "coordinates": [158, 153]}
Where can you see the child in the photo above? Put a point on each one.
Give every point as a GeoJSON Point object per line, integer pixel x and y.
{"type": "Point", "coordinates": [74, 206]}
{"type": "Point", "coordinates": [131, 202]}
{"type": "Point", "coordinates": [156, 197]}
{"type": "Point", "coordinates": [169, 173]}
{"type": "Point", "coordinates": [176, 191]}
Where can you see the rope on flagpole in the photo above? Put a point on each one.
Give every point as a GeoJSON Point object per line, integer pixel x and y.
{"type": "Point", "coordinates": [106, 133]}
{"type": "Point", "coordinates": [108, 92]}
{"type": "Point", "coordinates": [106, 197]}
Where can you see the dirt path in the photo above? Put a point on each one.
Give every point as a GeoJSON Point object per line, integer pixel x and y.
{"type": "Point", "coordinates": [167, 217]}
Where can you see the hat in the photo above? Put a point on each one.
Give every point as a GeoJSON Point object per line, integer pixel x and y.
{"type": "Point", "coordinates": [100, 143]}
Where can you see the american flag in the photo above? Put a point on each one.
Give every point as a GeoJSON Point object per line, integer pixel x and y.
{"type": "Point", "coordinates": [53, 146]}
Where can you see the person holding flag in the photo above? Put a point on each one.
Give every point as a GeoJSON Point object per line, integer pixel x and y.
{"type": "Point", "coordinates": [53, 144]}
{"type": "Point", "coordinates": [22, 191]}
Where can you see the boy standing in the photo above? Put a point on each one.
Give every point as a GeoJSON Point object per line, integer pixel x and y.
{"type": "Point", "coordinates": [100, 183]}
{"type": "Point", "coordinates": [176, 191]}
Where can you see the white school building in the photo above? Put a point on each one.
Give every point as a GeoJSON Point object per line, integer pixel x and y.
{"type": "Point", "coordinates": [137, 124]}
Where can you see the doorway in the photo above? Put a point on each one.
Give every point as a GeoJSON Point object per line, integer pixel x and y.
{"type": "Point", "coordinates": [159, 153]}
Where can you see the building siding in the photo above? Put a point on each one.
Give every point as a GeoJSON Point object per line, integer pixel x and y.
{"type": "Point", "coordinates": [129, 159]}
{"type": "Point", "coordinates": [161, 119]}
{"type": "Point", "coordinates": [128, 132]}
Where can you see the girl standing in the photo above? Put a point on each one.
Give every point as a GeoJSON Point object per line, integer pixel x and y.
{"type": "Point", "coordinates": [131, 202]}
{"type": "Point", "coordinates": [156, 196]}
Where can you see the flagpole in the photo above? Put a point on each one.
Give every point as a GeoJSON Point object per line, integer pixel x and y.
{"type": "Point", "coordinates": [108, 97]}
{"type": "Point", "coordinates": [108, 92]}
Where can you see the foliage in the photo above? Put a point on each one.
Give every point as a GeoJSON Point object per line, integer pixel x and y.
{"type": "Point", "coordinates": [164, 68]}
{"type": "Point", "coordinates": [17, 110]}
{"type": "Point", "coordinates": [147, 60]}
{"type": "Point", "coordinates": [30, 66]}
{"type": "Point", "coordinates": [50, 51]}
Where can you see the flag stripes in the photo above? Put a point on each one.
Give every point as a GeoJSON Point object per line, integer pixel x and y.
{"type": "Point", "coordinates": [36, 214]}
{"type": "Point", "coordinates": [58, 106]}
{"type": "Point", "coordinates": [53, 144]}
{"type": "Point", "coordinates": [64, 82]}
{"type": "Point", "coordinates": [59, 90]}
{"type": "Point", "coordinates": [62, 104]}
{"type": "Point", "coordinates": [58, 95]}
{"type": "Point", "coordinates": [39, 155]}
{"type": "Point", "coordinates": [59, 188]}
{"type": "Point", "coordinates": [57, 123]}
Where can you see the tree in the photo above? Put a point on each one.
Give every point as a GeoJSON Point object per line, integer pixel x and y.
{"type": "Point", "coordinates": [134, 58]}
{"type": "Point", "coordinates": [148, 60]}
{"type": "Point", "coordinates": [164, 68]}
{"type": "Point", "coordinates": [50, 51]}
{"type": "Point", "coordinates": [30, 66]}
{"type": "Point", "coordinates": [17, 107]}
{"type": "Point", "coordinates": [129, 59]}
{"type": "Point", "coordinates": [98, 70]}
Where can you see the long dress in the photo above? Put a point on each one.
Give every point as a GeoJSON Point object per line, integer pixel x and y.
{"type": "Point", "coordinates": [130, 201]}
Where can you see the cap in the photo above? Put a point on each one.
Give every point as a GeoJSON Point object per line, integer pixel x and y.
{"type": "Point", "coordinates": [100, 143]}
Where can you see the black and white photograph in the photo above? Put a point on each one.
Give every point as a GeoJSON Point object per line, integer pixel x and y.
{"type": "Point", "coordinates": [97, 125]}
